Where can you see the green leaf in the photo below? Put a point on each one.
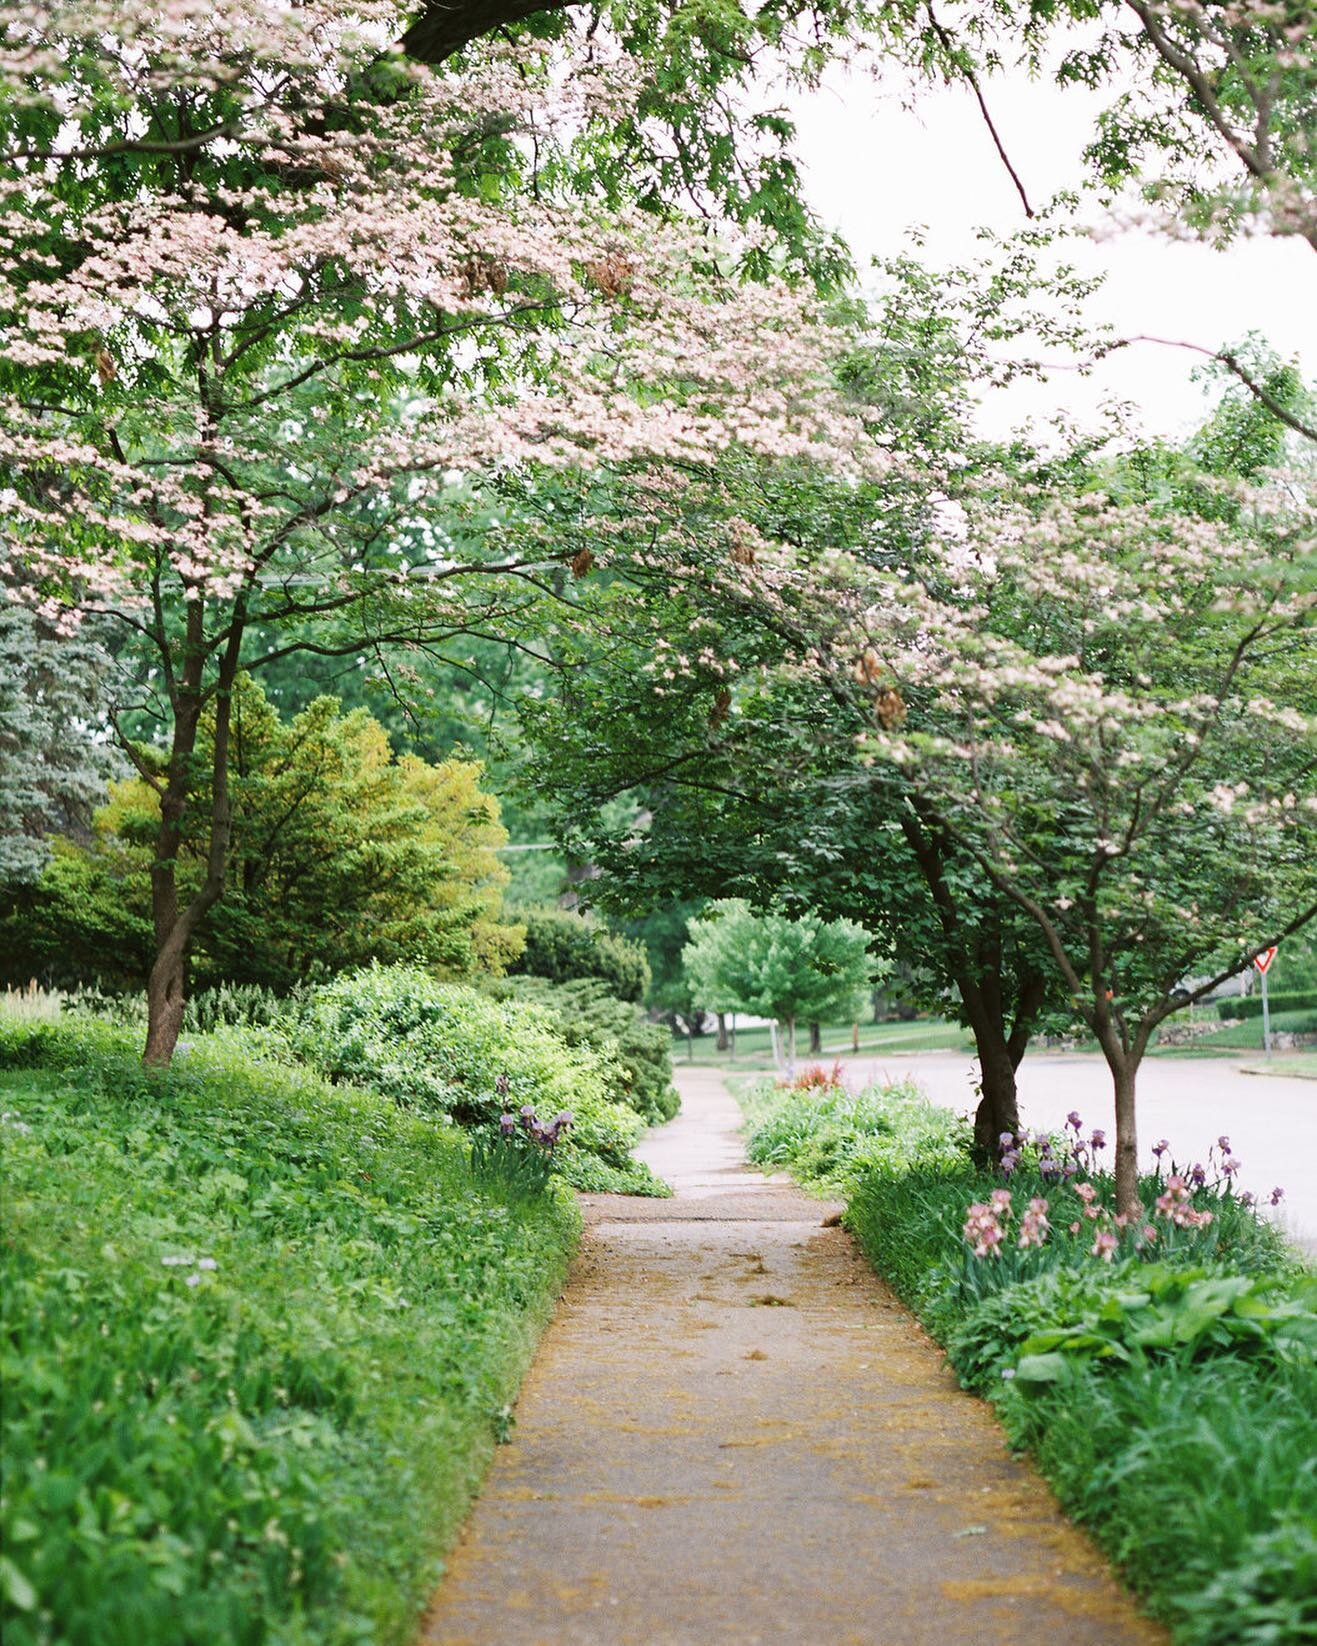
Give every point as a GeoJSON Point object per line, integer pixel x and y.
{"type": "Point", "coordinates": [1042, 1369]}
{"type": "Point", "coordinates": [18, 1591]}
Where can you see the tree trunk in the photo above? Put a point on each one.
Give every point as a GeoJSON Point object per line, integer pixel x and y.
{"type": "Point", "coordinates": [165, 1001]}
{"type": "Point", "coordinates": [723, 1041]}
{"type": "Point", "coordinates": [998, 1109]}
{"type": "Point", "coordinates": [175, 927]}
{"type": "Point", "coordinates": [1128, 1201]}
{"type": "Point", "coordinates": [815, 1040]}
{"type": "Point", "coordinates": [791, 1045]}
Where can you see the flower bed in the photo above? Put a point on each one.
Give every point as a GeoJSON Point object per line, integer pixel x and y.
{"type": "Point", "coordinates": [1161, 1369]}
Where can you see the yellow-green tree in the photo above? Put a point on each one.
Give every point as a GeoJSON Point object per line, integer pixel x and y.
{"type": "Point", "coordinates": [341, 853]}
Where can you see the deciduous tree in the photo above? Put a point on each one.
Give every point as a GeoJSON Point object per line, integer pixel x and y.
{"type": "Point", "coordinates": [788, 969]}
{"type": "Point", "coordinates": [268, 289]}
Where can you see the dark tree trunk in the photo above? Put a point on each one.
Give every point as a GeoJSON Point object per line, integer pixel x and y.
{"type": "Point", "coordinates": [815, 1040]}
{"type": "Point", "coordinates": [998, 1109]}
{"type": "Point", "coordinates": [723, 1041]}
{"type": "Point", "coordinates": [175, 927]}
{"type": "Point", "coordinates": [976, 963]}
{"type": "Point", "coordinates": [1000, 1054]}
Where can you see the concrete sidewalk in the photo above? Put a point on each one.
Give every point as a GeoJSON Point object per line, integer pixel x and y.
{"type": "Point", "coordinates": [734, 1434]}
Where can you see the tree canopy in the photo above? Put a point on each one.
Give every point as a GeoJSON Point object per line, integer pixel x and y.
{"type": "Point", "coordinates": [787, 969]}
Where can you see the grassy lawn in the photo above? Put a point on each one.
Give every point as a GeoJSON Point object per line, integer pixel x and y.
{"type": "Point", "coordinates": [1302, 1065]}
{"type": "Point", "coordinates": [754, 1054]}
{"type": "Point", "coordinates": [1243, 1036]}
{"type": "Point", "coordinates": [262, 1337]}
{"type": "Point", "coordinates": [754, 1048]}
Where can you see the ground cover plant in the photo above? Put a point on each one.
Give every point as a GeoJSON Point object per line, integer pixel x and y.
{"type": "Point", "coordinates": [828, 1135]}
{"type": "Point", "coordinates": [261, 1334]}
{"type": "Point", "coordinates": [1162, 1369]}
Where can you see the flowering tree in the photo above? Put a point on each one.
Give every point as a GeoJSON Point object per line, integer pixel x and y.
{"type": "Point", "coordinates": [1213, 116]}
{"type": "Point", "coordinates": [1113, 706]}
{"type": "Point", "coordinates": [268, 292]}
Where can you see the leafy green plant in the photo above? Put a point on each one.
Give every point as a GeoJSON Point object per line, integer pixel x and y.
{"type": "Point", "coordinates": [564, 947]}
{"type": "Point", "coordinates": [829, 1136]}
{"type": "Point", "coordinates": [261, 1336]}
{"type": "Point", "coordinates": [585, 1014]}
{"type": "Point", "coordinates": [441, 1048]}
{"type": "Point", "coordinates": [1183, 1312]}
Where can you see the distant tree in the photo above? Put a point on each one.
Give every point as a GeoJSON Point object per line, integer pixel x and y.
{"type": "Point", "coordinates": [772, 965]}
{"type": "Point", "coordinates": [53, 766]}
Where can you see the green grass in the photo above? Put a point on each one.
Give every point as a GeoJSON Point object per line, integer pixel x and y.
{"type": "Point", "coordinates": [1242, 1036]}
{"type": "Point", "coordinates": [1302, 1065]}
{"type": "Point", "coordinates": [1170, 1397]}
{"type": "Point", "coordinates": [261, 1337]}
{"type": "Point", "coordinates": [830, 1137]}
{"type": "Point", "coordinates": [754, 1047]}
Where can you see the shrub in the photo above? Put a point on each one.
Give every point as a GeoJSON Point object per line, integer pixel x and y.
{"type": "Point", "coordinates": [441, 1047]}
{"type": "Point", "coordinates": [262, 1337]}
{"type": "Point", "coordinates": [1247, 1006]}
{"type": "Point", "coordinates": [563, 947]}
{"type": "Point", "coordinates": [585, 1014]}
{"type": "Point", "coordinates": [829, 1136]}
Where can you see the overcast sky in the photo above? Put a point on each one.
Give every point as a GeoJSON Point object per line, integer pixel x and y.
{"type": "Point", "coordinates": [873, 168]}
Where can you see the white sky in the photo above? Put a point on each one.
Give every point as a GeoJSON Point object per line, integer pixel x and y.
{"type": "Point", "coordinates": [873, 168]}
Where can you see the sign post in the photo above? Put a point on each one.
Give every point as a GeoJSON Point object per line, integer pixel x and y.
{"type": "Point", "coordinates": [1263, 963]}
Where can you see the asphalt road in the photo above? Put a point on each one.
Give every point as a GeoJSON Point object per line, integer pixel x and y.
{"type": "Point", "coordinates": [1271, 1120]}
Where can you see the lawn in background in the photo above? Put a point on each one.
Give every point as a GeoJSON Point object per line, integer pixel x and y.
{"type": "Point", "coordinates": [754, 1046]}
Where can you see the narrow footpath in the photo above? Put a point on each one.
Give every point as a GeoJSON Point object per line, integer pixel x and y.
{"type": "Point", "coordinates": [734, 1434]}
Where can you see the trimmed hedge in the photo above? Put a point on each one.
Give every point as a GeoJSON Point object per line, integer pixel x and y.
{"type": "Point", "coordinates": [1247, 1006]}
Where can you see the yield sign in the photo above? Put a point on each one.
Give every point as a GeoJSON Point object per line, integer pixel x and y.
{"type": "Point", "coordinates": [1263, 960]}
